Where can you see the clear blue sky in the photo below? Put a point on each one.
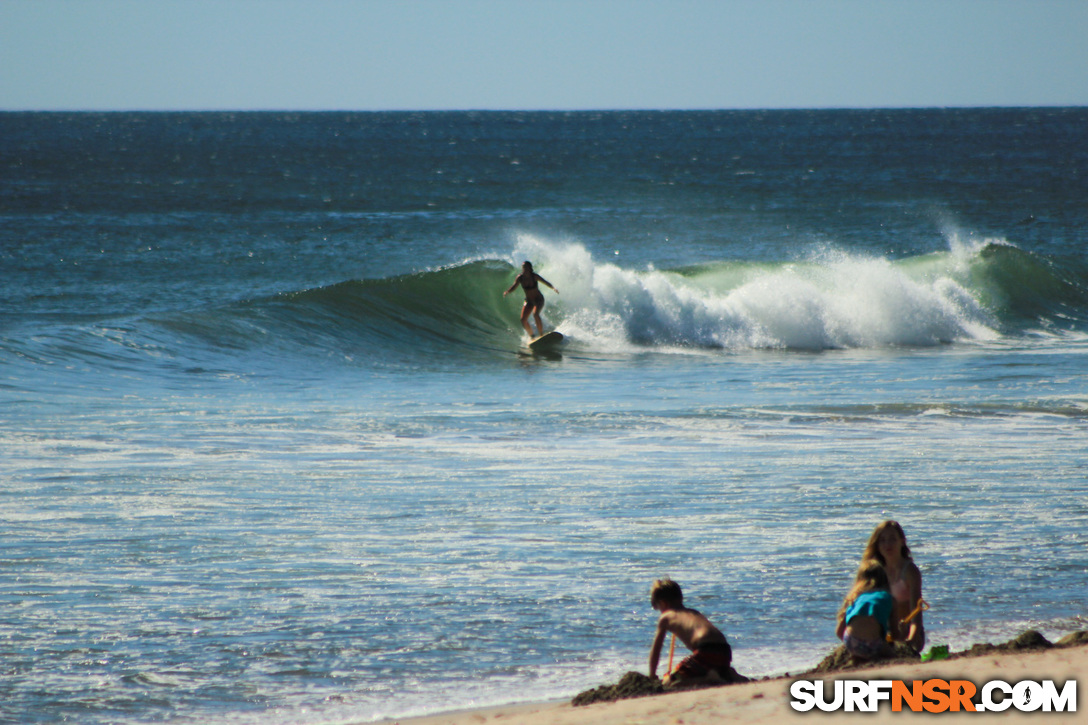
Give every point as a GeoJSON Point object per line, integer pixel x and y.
{"type": "Point", "coordinates": [540, 54]}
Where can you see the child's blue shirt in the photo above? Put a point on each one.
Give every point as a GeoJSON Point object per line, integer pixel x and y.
{"type": "Point", "coordinates": [877, 605]}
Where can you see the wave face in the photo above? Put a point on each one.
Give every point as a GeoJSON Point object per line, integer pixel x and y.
{"type": "Point", "coordinates": [425, 312]}
{"type": "Point", "coordinates": [827, 300]}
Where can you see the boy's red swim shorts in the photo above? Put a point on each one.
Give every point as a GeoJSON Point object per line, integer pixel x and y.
{"type": "Point", "coordinates": [711, 656]}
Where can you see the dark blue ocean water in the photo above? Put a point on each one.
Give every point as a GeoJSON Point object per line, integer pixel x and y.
{"type": "Point", "coordinates": [274, 450]}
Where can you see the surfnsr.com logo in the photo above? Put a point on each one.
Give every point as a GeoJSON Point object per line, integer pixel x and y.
{"type": "Point", "coordinates": [933, 696]}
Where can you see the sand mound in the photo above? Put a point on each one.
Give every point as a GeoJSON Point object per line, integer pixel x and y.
{"type": "Point", "coordinates": [1029, 641]}
{"type": "Point", "coordinates": [1026, 642]}
{"type": "Point", "coordinates": [1074, 639]}
{"type": "Point", "coordinates": [840, 659]}
{"type": "Point", "coordinates": [633, 684]}
{"type": "Point", "coordinates": [636, 684]}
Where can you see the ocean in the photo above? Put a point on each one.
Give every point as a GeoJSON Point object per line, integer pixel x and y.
{"type": "Point", "coordinates": [274, 450]}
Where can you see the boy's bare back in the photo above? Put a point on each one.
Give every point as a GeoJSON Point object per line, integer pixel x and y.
{"type": "Point", "coordinates": [690, 627]}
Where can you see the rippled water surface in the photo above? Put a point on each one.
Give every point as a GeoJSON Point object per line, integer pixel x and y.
{"type": "Point", "coordinates": [273, 449]}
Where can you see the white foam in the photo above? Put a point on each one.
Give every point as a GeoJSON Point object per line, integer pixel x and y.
{"type": "Point", "coordinates": [832, 300]}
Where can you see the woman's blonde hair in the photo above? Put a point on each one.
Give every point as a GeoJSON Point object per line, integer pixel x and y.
{"type": "Point", "coordinates": [872, 549]}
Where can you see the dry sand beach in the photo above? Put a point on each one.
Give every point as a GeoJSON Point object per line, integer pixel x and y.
{"type": "Point", "coordinates": [768, 701]}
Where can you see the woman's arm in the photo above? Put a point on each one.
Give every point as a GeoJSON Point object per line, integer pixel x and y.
{"type": "Point", "coordinates": [541, 279]}
{"type": "Point", "coordinates": [517, 281]}
{"type": "Point", "coordinates": [916, 634]}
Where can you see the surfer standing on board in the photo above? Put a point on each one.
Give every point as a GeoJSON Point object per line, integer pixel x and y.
{"type": "Point", "coordinates": [534, 298]}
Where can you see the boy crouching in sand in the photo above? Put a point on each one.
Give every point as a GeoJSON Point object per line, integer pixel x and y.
{"type": "Point", "coordinates": [711, 656]}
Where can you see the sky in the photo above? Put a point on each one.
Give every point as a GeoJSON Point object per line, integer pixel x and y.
{"type": "Point", "coordinates": [540, 54]}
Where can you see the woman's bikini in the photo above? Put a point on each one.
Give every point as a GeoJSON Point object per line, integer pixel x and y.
{"type": "Point", "coordinates": [899, 586]}
{"type": "Point", "coordinates": [533, 295]}
{"type": "Point", "coordinates": [900, 589]}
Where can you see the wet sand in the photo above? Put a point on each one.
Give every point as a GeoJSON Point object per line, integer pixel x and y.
{"type": "Point", "coordinates": [768, 701]}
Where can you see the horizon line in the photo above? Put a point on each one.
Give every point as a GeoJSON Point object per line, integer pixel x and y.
{"type": "Point", "coordinates": [631, 109]}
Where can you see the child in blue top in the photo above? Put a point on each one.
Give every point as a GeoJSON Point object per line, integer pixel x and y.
{"type": "Point", "coordinates": [865, 615]}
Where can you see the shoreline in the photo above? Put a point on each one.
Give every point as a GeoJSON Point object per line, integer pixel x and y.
{"type": "Point", "coordinates": [767, 701]}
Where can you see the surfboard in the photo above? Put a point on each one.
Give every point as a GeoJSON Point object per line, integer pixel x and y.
{"type": "Point", "coordinates": [546, 341]}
